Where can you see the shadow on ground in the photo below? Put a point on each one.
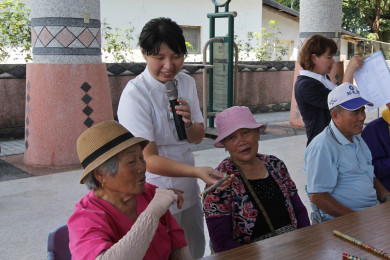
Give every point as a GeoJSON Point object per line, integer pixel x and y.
{"type": "Point", "coordinates": [13, 167]}
{"type": "Point", "coordinates": [9, 172]}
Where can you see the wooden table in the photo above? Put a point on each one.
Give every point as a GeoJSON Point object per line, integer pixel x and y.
{"type": "Point", "coordinates": [371, 226]}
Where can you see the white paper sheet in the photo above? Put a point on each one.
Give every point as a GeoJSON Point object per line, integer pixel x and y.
{"type": "Point", "coordinates": [373, 80]}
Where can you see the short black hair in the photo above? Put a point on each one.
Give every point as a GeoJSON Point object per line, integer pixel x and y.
{"type": "Point", "coordinates": [162, 30]}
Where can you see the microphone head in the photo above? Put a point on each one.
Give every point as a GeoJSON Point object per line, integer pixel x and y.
{"type": "Point", "coordinates": [171, 89]}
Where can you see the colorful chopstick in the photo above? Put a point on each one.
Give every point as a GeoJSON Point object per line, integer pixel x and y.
{"type": "Point", "coordinates": [213, 187]}
{"type": "Point", "coordinates": [362, 244]}
{"type": "Point", "coordinates": [351, 257]}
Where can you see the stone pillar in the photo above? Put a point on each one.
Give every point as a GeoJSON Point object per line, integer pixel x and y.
{"type": "Point", "coordinates": [67, 88]}
{"type": "Point", "coordinates": [319, 17]}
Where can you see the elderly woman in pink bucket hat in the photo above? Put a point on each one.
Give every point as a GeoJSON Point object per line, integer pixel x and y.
{"type": "Point", "coordinates": [262, 200]}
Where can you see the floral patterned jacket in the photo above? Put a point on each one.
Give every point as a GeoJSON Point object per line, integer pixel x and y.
{"type": "Point", "coordinates": [235, 201]}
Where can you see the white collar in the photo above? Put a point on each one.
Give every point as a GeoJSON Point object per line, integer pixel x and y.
{"type": "Point", "coordinates": [321, 78]}
{"type": "Point", "coordinates": [152, 81]}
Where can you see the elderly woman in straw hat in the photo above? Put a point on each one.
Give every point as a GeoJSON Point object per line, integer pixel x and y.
{"type": "Point", "coordinates": [122, 217]}
{"type": "Point", "coordinates": [262, 200]}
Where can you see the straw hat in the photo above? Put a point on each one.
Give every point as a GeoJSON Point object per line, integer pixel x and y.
{"type": "Point", "coordinates": [101, 142]}
{"type": "Point", "coordinates": [232, 119]}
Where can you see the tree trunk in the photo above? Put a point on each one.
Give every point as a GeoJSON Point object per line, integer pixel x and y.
{"type": "Point", "coordinates": [375, 25]}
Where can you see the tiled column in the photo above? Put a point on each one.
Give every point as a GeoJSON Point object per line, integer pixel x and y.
{"type": "Point", "coordinates": [67, 85]}
{"type": "Point", "coordinates": [319, 17]}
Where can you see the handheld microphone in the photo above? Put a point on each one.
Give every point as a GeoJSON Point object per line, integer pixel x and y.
{"type": "Point", "coordinates": [171, 90]}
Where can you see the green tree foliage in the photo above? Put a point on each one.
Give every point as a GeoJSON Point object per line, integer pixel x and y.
{"type": "Point", "coordinates": [293, 4]}
{"type": "Point", "coordinates": [117, 47]}
{"type": "Point", "coordinates": [369, 18]}
{"type": "Point", "coordinates": [15, 30]}
{"type": "Point", "coordinates": [190, 48]}
{"type": "Point", "coordinates": [265, 45]}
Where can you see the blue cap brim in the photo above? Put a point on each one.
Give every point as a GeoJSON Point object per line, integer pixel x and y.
{"type": "Point", "coordinates": [355, 103]}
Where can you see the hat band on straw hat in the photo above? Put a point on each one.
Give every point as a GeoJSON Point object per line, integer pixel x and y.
{"type": "Point", "coordinates": [111, 144]}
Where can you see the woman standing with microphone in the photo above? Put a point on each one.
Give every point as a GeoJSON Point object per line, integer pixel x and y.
{"type": "Point", "coordinates": [145, 111]}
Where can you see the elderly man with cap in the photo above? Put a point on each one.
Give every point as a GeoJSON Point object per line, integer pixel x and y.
{"type": "Point", "coordinates": [340, 175]}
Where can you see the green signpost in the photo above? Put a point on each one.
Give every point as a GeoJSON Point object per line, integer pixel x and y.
{"type": "Point", "coordinates": [221, 59]}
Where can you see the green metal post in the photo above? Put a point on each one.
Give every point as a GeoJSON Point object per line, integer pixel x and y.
{"type": "Point", "coordinates": [230, 41]}
{"type": "Point", "coordinates": [211, 71]}
{"type": "Point", "coordinates": [230, 58]}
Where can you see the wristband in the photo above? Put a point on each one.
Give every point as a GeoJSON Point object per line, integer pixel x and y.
{"type": "Point", "coordinates": [384, 199]}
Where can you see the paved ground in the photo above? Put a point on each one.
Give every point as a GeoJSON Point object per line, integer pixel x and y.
{"type": "Point", "coordinates": [11, 156]}
{"type": "Point", "coordinates": [31, 207]}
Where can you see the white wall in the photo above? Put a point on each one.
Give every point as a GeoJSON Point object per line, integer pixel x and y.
{"type": "Point", "coordinates": [343, 50]}
{"type": "Point", "coordinates": [119, 13]}
{"type": "Point", "coordinates": [288, 27]}
{"type": "Point", "coordinates": [251, 17]}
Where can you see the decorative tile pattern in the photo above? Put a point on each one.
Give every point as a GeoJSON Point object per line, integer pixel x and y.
{"type": "Point", "coordinates": [17, 71]}
{"type": "Point", "coordinates": [86, 99]}
{"type": "Point", "coordinates": [54, 44]}
{"type": "Point", "coordinates": [88, 122]}
{"type": "Point", "coordinates": [65, 36]}
{"type": "Point", "coordinates": [55, 30]}
{"type": "Point", "coordinates": [76, 44]}
{"type": "Point", "coordinates": [87, 110]}
{"type": "Point", "coordinates": [120, 69]}
{"type": "Point", "coordinates": [75, 30]}
{"type": "Point", "coordinates": [99, 38]}
{"type": "Point", "coordinates": [33, 37]}
{"type": "Point", "coordinates": [270, 108]}
{"type": "Point", "coordinates": [45, 37]}
{"type": "Point", "coordinates": [86, 87]}
{"type": "Point", "coordinates": [86, 37]}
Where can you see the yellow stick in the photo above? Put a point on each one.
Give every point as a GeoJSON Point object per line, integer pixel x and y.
{"type": "Point", "coordinates": [362, 244]}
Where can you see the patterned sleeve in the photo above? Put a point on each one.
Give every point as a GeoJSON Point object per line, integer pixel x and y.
{"type": "Point", "coordinates": [218, 203]}
{"type": "Point", "coordinates": [284, 175]}
{"type": "Point", "coordinates": [217, 207]}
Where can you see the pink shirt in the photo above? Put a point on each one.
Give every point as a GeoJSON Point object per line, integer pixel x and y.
{"type": "Point", "coordinates": [96, 225]}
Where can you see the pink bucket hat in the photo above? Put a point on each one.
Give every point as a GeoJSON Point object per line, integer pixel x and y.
{"type": "Point", "coordinates": [232, 119]}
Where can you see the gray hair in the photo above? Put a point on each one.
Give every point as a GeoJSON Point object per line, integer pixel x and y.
{"type": "Point", "coordinates": [339, 109]}
{"type": "Point", "coordinates": [110, 166]}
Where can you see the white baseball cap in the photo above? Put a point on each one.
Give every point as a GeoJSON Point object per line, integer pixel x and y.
{"type": "Point", "coordinates": [347, 96]}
